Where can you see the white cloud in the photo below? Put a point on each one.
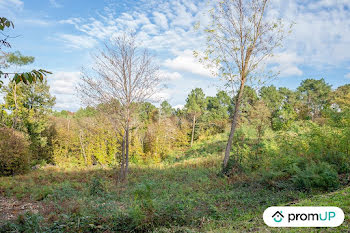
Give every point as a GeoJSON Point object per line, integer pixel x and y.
{"type": "Point", "coordinates": [185, 61]}
{"type": "Point", "coordinates": [160, 96]}
{"type": "Point", "coordinates": [55, 4]}
{"type": "Point", "coordinates": [63, 86]}
{"type": "Point", "coordinates": [150, 29]}
{"type": "Point", "coordinates": [168, 26]}
{"type": "Point", "coordinates": [11, 8]}
{"type": "Point", "coordinates": [11, 4]}
{"type": "Point", "coordinates": [37, 22]}
{"type": "Point", "coordinates": [183, 16]}
{"type": "Point", "coordinates": [320, 38]}
{"type": "Point", "coordinates": [77, 42]}
{"type": "Point", "coordinates": [160, 19]}
{"type": "Point", "coordinates": [347, 75]}
{"type": "Point", "coordinates": [63, 82]}
{"type": "Point", "coordinates": [170, 75]}
{"type": "Point", "coordinates": [321, 34]}
{"type": "Point", "coordinates": [286, 64]}
{"type": "Point", "coordinates": [180, 106]}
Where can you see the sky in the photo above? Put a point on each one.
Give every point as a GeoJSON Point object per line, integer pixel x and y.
{"type": "Point", "coordinates": [63, 34]}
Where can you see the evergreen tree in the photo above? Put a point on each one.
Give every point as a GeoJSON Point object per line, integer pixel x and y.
{"type": "Point", "coordinates": [314, 96]}
{"type": "Point", "coordinates": [166, 109]}
{"type": "Point", "coordinates": [195, 105]}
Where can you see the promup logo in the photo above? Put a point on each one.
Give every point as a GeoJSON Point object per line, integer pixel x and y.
{"type": "Point", "coordinates": [278, 216]}
{"type": "Point", "coordinates": [303, 216]}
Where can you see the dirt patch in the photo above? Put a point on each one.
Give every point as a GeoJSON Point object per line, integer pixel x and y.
{"type": "Point", "coordinates": [11, 208]}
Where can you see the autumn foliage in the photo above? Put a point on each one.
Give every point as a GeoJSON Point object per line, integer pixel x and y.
{"type": "Point", "coordinates": [14, 151]}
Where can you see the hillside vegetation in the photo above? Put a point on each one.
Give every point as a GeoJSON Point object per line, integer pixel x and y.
{"type": "Point", "coordinates": [185, 194]}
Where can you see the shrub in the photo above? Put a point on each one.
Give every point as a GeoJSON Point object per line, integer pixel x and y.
{"type": "Point", "coordinates": [341, 161]}
{"type": "Point", "coordinates": [320, 176]}
{"type": "Point", "coordinates": [14, 152]}
{"type": "Point", "coordinates": [97, 187]}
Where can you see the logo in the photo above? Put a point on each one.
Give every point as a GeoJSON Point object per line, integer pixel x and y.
{"type": "Point", "coordinates": [303, 216]}
{"type": "Point", "coordinates": [278, 216]}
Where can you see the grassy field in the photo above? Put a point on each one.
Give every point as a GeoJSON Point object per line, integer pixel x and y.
{"type": "Point", "coordinates": [183, 194]}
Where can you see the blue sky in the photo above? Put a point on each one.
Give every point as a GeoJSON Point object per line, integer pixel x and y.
{"type": "Point", "coordinates": [62, 34]}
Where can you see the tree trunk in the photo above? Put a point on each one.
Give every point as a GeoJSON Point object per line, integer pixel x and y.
{"type": "Point", "coordinates": [126, 152]}
{"type": "Point", "coordinates": [193, 126]}
{"type": "Point", "coordinates": [122, 163]}
{"type": "Point", "coordinates": [233, 125]}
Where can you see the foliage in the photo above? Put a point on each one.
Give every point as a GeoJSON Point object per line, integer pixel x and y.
{"type": "Point", "coordinates": [134, 77]}
{"type": "Point", "coordinates": [14, 151]}
{"type": "Point", "coordinates": [17, 59]}
{"type": "Point", "coordinates": [314, 96]}
{"type": "Point", "coordinates": [320, 175]}
{"type": "Point", "coordinates": [196, 102]}
{"type": "Point", "coordinates": [28, 108]}
{"type": "Point", "coordinates": [5, 23]}
{"type": "Point", "coordinates": [195, 106]}
{"type": "Point", "coordinates": [166, 109]}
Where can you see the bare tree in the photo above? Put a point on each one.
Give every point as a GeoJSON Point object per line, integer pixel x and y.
{"type": "Point", "coordinates": [122, 76]}
{"type": "Point", "coordinates": [239, 39]}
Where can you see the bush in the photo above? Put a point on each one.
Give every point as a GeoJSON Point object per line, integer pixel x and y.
{"type": "Point", "coordinates": [97, 187]}
{"type": "Point", "coordinates": [341, 161]}
{"type": "Point", "coordinates": [320, 176]}
{"type": "Point", "coordinates": [14, 152]}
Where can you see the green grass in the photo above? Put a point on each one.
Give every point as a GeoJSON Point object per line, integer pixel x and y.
{"type": "Point", "coordinates": [183, 195]}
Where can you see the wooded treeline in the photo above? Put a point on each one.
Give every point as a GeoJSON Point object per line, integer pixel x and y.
{"type": "Point", "coordinates": [271, 118]}
{"type": "Point", "coordinates": [121, 125]}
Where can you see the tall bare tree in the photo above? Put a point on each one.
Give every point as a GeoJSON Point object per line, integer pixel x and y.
{"type": "Point", "coordinates": [122, 76]}
{"type": "Point", "coordinates": [239, 38]}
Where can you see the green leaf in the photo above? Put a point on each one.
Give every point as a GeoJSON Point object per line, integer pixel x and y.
{"type": "Point", "coordinates": [15, 78]}
{"type": "Point", "coordinates": [30, 78]}
{"type": "Point", "coordinates": [25, 76]}
{"type": "Point", "coordinates": [18, 79]}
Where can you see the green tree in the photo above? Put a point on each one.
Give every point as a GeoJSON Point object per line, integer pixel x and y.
{"type": "Point", "coordinates": [273, 100]}
{"type": "Point", "coordinates": [286, 114]}
{"type": "Point", "coordinates": [16, 60]}
{"type": "Point", "coordinates": [340, 111]}
{"type": "Point", "coordinates": [83, 112]}
{"type": "Point", "coordinates": [166, 109]}
{"type": "Point", "coordinates": [218, 106]}
{"type": "Point", "coordinates": [195, 105]}
{"type": "Point", "coordinates": [314, 96]}
{"type": "Point", "coordinates": [341, 97]}
{"type": "Point", "coordinates": [239, 38]}
{"type": "Point", "coordinates": [148, 113]}
{"type": "Point", "coordinates": [249, 98]}
{"type": "Point", "coordinates": [259, 117]}
{"type": "Point", "coordinates": [217, 113]}
{"type": "Point", "coordinates": [32, 105]}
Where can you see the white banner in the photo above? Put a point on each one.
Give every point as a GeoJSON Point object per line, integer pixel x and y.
{"type": "Point", "coordinates": [285, 216]}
